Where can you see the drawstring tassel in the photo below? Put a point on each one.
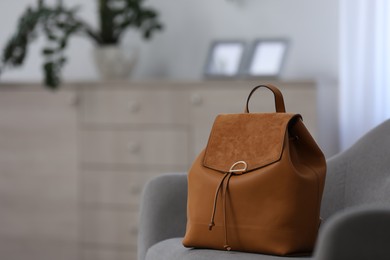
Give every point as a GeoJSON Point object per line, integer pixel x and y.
{"type": "Point", "coordinates": [227, 247]}
{"type": "Point", "coordinates": [211, 225]}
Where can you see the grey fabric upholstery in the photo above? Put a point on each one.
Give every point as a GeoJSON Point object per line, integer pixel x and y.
{"type": "Point", "coordinates": [173, 249]}
{"type": "Point", "coordinates": [163, 211]}
{"type": "Point", "coordinates": [359, 176]}
{"type": "Point", "coordinates": [359, 233]}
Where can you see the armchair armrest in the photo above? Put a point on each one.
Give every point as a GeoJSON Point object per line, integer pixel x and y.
{"type": "Point", "coordinates": [358, 233]}
{"type": "Point", "coordinates": [163, 211]}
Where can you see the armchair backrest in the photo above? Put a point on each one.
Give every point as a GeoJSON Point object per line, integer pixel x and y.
{"type": "Point", "coordinates": [359, 175]}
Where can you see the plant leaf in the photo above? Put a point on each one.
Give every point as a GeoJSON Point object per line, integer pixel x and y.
{"type": "Point", "coordinates": [48, 51]}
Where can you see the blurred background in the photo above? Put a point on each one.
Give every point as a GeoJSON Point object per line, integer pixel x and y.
{"type": "Point", "coordinates": [180, 50]}
{"type": "Point", "coordinates": [97, 100]}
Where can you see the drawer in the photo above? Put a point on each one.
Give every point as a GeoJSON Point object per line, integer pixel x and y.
{"type": "Point", "coordinates": [207, 104]}
{"type": "Point", "coordinates": [34, 221]}
{"type": "Point", "coordinates": [138, 147]}
{"type": "Point", "coordinates": [97, 253]}
{"type": "Point", "coordinates": [35, 248]}
{"type": "Point", "coordinates": [121, 188]}
{"type": "Point", "coordinates": [103, 227]}
{"type": "Point", "coordinates": [119, 106]}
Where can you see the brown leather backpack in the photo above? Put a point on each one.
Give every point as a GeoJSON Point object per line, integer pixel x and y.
{"type": "Point", "coordinates": [257, 187]}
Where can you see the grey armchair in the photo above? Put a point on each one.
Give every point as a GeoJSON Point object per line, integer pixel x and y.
{"type": "Point", "coordinates": [355, 207]}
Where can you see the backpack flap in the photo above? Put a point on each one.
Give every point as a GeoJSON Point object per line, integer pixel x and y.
{"type": "Point", "coordinates": [256, 139]}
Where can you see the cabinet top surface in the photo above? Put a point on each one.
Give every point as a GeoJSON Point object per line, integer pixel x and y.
{"type": "Point", "coordinates": [156, 84]}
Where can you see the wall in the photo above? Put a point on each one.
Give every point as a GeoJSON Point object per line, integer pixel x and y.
{"type": "Point", "coordinates": [180, 51]}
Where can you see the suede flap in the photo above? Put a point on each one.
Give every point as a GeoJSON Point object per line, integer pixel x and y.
{"type": "Point", "coordinates": [256, 139]}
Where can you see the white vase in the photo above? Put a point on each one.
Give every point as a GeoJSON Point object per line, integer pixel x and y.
{"type": "Point", "coordinates": [114, 62]}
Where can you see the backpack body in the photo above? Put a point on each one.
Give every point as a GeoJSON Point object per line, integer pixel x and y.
{"type": "Point", "coordinates": [257, 186]}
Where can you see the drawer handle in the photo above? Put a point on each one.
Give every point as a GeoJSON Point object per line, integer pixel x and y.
{"type": "Point", "coordinates": [134, 106]}
{"type": "Point", "coordinates": [196, 99]}
{"type": "Point", "coordinates": [134, 147]}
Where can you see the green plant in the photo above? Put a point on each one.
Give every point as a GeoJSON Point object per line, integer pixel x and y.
{"type": "Point", "coordinates": [59, 23]}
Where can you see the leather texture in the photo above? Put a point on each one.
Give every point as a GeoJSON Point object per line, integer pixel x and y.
{"type": "Point", "coordinates": [257, 187]}
{"type": "Point", "coordinates": [266, 143]}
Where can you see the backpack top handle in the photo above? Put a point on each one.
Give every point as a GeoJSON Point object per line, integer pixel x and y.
{"type": "Point", "coordinates": [279, 101]}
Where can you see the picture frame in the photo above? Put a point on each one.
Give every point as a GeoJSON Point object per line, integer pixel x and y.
{"type": "Point", "coordinates": [266, 58]}
{"type": "Point", "coordinates": [225, 59]}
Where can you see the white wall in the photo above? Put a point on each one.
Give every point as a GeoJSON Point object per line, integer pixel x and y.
{"type": "Point", "coordinates": [180, 51]}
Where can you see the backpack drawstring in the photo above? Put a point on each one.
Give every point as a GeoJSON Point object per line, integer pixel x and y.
{"type": "Point", "coordinates": [225, 185]}
{"type": "Point", "coordinates": [215, 202]}
{"type": "Point", "coordinates": [225, 191]}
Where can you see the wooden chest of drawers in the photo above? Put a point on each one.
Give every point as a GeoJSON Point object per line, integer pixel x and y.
{"type": "Point", "coordinates": [83, 155]}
